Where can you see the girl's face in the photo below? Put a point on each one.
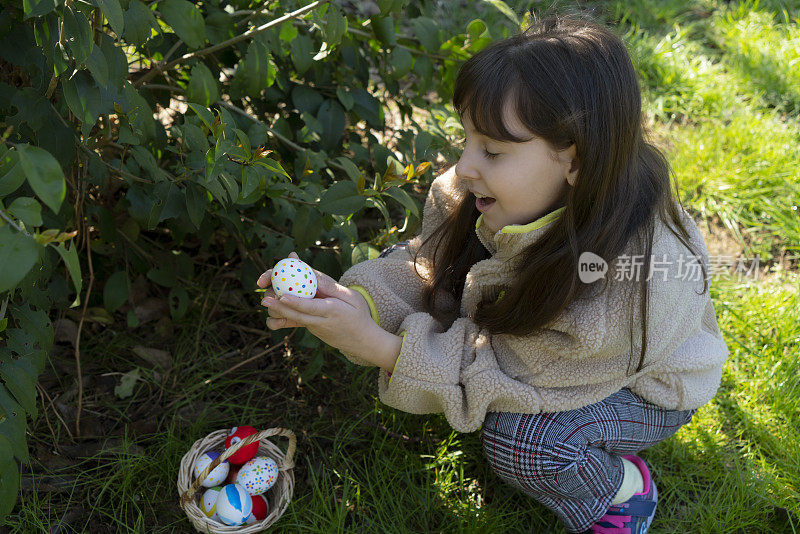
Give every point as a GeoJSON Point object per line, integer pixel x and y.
{"type": "Point", "coordinates": [527, 180]}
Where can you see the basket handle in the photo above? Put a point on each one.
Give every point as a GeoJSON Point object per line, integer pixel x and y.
{"type": "Point", "coordinates": [287, 463]}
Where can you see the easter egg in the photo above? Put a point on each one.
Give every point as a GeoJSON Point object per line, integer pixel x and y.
{"type": "Point", "coordinates": [208, 503]}
{"type": "Point", "coordinates": [260, 507]}
{"type": "Point", "coordinates": [234, 505]}
{"type": "Point", "coordinates": [237, 434]}
{"type": "Point", "coordinates": [291, 276]}
{"type": "Point", "coordinates": [217, 475]}
{"type": "Point", "coordinates": [258, 475]}
{"type": "Point", "coordinates": [232, 474]}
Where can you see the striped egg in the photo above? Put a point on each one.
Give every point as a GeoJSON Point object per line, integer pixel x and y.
{"type": "Point", "coordinates": [234, 505]}
{"type": "Point", "coordinates": [291, 276]}
{"type": "Point", "coordinates": [208, 504]}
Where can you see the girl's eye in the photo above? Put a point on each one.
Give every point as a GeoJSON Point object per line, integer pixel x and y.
{"type": "Point", "coordinates": [489, 155]}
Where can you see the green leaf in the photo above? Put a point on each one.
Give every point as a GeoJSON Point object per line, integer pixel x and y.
{"type": "Point", "coordinates": [44, 175]}
{"type": "Point", "coordinates": [387, 6]}
{"type": "Point", "coordinates": [195, 204]}
{"type": "Point", "coordinates": [368, 107]}
{"type": "Point", "coordinates": [333, 119]}
{"type": "Point", "coordinates": [220, 26]}
{"type": "Point", "coordinates": [194, 138]}
{"type": "Point", "coordinates": [307, 226]}
{"type": "Point", "coordinates": [302, 53]}
{"type": "Point", "coordinates": [352, 170]}
{"type": "Point", "coordinates": [403, 198]}
{"type": "Point", "coordinates": [186, 19]}
{"type": "Point", "coordinates": [9, 477]}
{"type": "Point", "coordinates": [204, 113]}
{"type": "Point", "coordinates": [250, 180]}
{"type": "Point", "coordinates": [401, 61]}
{"type": "Point", "coordinates": [116, 61]}
{"type": "Point", "coordinates": [178, 302]}
{"type": "Point", "coordinates": [475, 29]}
{"type": "Point", "coordinates": [12, 427]}
{"type": "Point", "coordinates": [36, 323]}
{"type": "Point", "coordinates": [306, 99]}
{"type": "Point", "coordinates": [21, 384]}
{"type": "Point", "coordinates": [113, 12]}
{"type": "Point", "coordinates": [70, 257]}
{"type": "Point", "coordinates": [164, 276]}
{"type": "Point", "coordinates": [288, 32]}
{"type": "Point", "coordinates": [335, 25]}
{"type": "Point", "coordinates": [383, 27]}
{"type": "Point", "coordinates": [116, 291]}
{"type": "Point", "coordinates": [139, 22]}
{"type": "Point", "coordinates": [18, 254]}
{"type": "Point", "coordinates": [503, 8]}
{"type": "Point", "coordinates": [341, 198]}
{"type": "Point", "coordinates": [98, 66]}
{"type": "Point", "coordinates": [83, 99]}
{"type": "Point", "coordinates": [427, 31]}
{"type": "Point", "coordinates": [230, 185]}
{"type": "Point", "coordinates": [344, 97]}
{"type": "Point", "coordinates": [28, 210]}
{"type": "Point", "coordinates": [272, 166]}
{"type": "Point", "coordinates": [11, 173]}
{"type": "Point", "coordinates": [36, 8]}
{"type": "Point", "coordinates": [363, 252]}
{"type": "Point", "coordinates": [78, 34]}
{"type": "Point", "coordinates": [257, 70]}
{"type": "Point", "coordinates": [127, 383]}
{"type": "Point", "coordinates": [202, 87]}
{"type": "Point", "coordinates": [244, 141]}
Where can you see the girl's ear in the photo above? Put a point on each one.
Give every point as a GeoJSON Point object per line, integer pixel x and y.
{"type": "Point", "coordinates": [574, 165]}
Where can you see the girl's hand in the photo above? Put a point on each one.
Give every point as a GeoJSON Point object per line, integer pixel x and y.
{"type": "Point", "coordinates": [327, 288]}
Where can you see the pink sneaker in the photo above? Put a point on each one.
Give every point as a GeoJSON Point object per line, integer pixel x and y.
{"type": "Point", "coordinates": [634, 515]}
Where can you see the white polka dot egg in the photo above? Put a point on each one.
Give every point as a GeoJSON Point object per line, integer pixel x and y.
{"type": "Point", "coordinates": [291, 276]}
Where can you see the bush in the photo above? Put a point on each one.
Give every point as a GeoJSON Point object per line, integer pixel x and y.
{"type": "Point", "coordinates": [138, 136]}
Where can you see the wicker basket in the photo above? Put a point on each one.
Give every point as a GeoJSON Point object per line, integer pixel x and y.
{"type": "Point", "coordinates": [278, 496]}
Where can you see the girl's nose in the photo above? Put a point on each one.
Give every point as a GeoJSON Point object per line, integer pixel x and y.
{"type": "Point", "coordinates": [465, 169]}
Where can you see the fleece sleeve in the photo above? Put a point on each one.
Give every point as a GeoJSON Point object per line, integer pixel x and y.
{"type": "Point", "coordinates": [393, 285]}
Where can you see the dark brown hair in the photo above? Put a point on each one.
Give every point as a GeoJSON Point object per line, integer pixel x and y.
{"type": "Point", "coordinates": [572, 81]}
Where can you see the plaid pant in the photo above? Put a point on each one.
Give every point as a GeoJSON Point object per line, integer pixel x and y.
{"type": "Point", "coordinates": [570, 461]}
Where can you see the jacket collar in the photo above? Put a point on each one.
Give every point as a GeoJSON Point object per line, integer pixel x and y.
{"type": "Point", "coordinates": [513, 238]}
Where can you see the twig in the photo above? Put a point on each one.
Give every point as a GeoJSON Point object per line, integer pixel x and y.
{"type": "Point", "coordinates": [47, 418]}
{"type": "Point", "coordinates": [206, 382]}
{"type": "Point", "coordinates": [55, 411]}
{"type": "Point", "coordinates": [161, 67]}
{"type": "Point", "coordinates": [78, 337]}
{"type": "Point", "coordinates": [234, 367]}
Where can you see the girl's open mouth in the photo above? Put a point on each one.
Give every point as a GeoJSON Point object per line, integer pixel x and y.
{"type": "Point", "coordinates": [484, 204]}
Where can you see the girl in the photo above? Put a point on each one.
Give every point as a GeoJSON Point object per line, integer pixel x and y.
{"type": "Point", "coordinates": [557, 294]}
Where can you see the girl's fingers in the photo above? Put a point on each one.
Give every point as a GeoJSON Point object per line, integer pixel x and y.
{"type": "Point", "coordinates": [265, 279]}
{"type": "Point", "coordinates": [275, 323]}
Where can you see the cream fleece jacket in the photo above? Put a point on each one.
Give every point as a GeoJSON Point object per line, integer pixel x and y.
{"type": "Point", "coordinates": [463, 371]}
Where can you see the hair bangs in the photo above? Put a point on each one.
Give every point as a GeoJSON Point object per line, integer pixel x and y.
{"type": "Point", "coordinates": [484, 84]}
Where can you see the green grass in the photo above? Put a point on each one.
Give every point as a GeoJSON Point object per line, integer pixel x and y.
{"type": "Point", "coordinates": [722, 93]}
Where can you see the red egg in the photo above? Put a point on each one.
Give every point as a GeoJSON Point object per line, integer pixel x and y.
{"type": "Point", "coordinates": [233, 472]}
{"type": "Point", "coordinates": [260, 506]}
{"type": "Point", "coordinates": [245, 454]}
